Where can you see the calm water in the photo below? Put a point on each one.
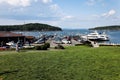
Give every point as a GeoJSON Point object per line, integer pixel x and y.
{"type": "Point", "coordinates": [113, 35]}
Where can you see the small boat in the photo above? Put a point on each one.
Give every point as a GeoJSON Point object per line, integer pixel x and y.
{"type": "Point", "coordinates": [40, 41]}
{"type": "Point", "coordinates": [10, 43]}
{"type": "Point", "coordinates": [65, 41]}
{"type": "Point", "coordinates": [57, 40]}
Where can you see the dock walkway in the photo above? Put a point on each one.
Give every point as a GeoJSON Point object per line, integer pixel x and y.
{"type": "Point", "coordinates": [109, 44]}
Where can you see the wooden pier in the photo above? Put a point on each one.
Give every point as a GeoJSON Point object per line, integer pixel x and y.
{"type": "Point", "coordinates": [109, 44]}
{"type": "Point", "coordinates": [96, 44]}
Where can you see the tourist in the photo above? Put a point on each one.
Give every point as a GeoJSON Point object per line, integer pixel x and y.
{"type": "Point", "coordinates": [17, 47]}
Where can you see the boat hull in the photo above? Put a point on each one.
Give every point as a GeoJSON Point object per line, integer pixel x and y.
{"type": "Point", "coordinates": [99, 39]}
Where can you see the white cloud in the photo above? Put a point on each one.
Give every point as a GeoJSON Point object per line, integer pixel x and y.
{"type": "Point", "coordinates": [54, 7]}
{"type": "Point", "coordinates": [29, 9]}
{"type": "Point", "coordinates": [93, 2]}
{"type": "Point", "coordinates": [43, 11]}
{"type": "Point", "coordinates": [15, 3]}
{"type": "Point", "coordinates": [110, 13]}
{"type": "Point", "coordinates": [46, 1]}
{"type": "Point", "coordinates": [67, 17]}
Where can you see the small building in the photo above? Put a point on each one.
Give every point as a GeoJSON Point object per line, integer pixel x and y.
{"type": "Point", "coordinates": [30, 39]}
{"type": "Point", "coordinates": [10, 36]}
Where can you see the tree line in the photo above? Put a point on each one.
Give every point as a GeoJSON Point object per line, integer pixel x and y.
{"type": "Point", "coordinates": [114, 27]}
{"type": "Point", "coordinates": [29, 27]}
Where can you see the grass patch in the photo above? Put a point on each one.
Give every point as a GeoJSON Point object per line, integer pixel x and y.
{"type": "Point", "coordinates": [73, 63]}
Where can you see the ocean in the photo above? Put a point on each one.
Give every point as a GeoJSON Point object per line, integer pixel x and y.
{"type": "Point", "coordinates": [114, 36]}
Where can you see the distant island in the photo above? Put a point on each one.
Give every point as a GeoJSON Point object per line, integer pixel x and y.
{"type": "Point", "coordinates": [29, 27]}
{"type": "Point", "coordinates": [113, 27]}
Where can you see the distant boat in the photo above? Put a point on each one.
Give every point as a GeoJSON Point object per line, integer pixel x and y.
{"type": "Point", "coordinates": [11, 43]}
{"type": "Point", "coordinates": [96, 36]}
{"type": "Point", "coordinates": [65, 41]}
{"type": "Point", "coordinates": [40, 41]}
{"type": "Point", "coordinates": [57, 40]}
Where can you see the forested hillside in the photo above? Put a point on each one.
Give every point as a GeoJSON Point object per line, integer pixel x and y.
{"type": "Point", "coordinates": [29, 27]}
{"type": "Point", "coordinates": [114, 27]}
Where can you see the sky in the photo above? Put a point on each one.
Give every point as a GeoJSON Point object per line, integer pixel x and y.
{"type": "Point", "coordinates": [67, 14]}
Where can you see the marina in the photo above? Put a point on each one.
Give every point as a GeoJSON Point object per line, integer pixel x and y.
{"type": "Point", "coordinates": [59, 40]}
{"type": "Point", "coordinates": [65, 38]}
{"type": "Point", "coordinates": [114, 36]}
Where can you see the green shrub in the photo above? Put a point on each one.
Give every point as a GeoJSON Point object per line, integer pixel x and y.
{"type": "Point", "coordinates": [47, 45]}
{"type": "Point", "coordinates": [37, 47]}
{"type": "Point", "coordinates": [27, 48]}
{"type": "Point", "coordinates": [44, 47]}
{"type": "Point", "coordinates": [59, 47]}
{"type": "Point", "coordinates": [78, 44]}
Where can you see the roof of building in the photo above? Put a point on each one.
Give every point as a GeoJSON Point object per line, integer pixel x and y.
{"type": "Point", "coordinates": [29, 37]}
{"type": "Point", "coordinates": [10, 34]}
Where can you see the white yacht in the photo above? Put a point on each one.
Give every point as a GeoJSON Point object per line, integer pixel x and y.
{"type": "Point", "coordinates": [97, 36]}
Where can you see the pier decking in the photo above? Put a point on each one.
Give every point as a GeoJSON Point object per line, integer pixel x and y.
{"type": "Point", "coordinates": [109, 44]}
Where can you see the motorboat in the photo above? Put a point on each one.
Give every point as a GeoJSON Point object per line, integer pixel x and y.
{"type": "Point", "coordinates": [65, 41]}
{"type": "Point", "coordinates": [10, 43]}
{"type": "Point", "coordinates": [96, 36]}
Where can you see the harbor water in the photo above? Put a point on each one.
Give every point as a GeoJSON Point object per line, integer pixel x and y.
{"type": "Point", "coordinates": [114, 36]}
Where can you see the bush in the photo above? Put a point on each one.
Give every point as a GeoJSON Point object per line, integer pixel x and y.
{"type": "Point", "coordinates": [42, 47]}
{"type": "Point", "coordinates": [78, 44]}
{"type": "Point", "coordinates": [47, 45]}
{"type": "Point", "coordinates": [59, 47]}
{"type": "Point", "coordinates": [27, 48]}
{"type": "Point", "coordinates": [37, 47]}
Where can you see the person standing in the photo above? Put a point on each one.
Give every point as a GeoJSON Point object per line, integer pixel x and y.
{"type": "Point", "coordinates": [17, 47]}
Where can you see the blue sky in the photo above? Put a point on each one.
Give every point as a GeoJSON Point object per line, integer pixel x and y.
{"type": "Point", "coordinates": [71, 14]}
